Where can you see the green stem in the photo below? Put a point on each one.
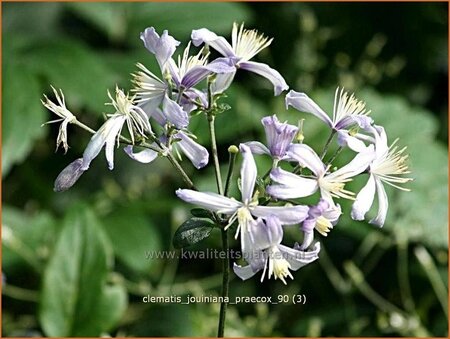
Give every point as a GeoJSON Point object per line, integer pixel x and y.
{"type": "Point", "coordinates": [212, 132]}
{"type": "Point", "coordinates": [231, 162]}
{"type": "Point", "coordinates": [338, 151]}
{"type": "Point", "coordinates": [225, 285]}
{"type": "Point", "coordinates": [327, 144]}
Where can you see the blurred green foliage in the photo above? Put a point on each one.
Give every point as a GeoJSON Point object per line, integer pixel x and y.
{"type": "Point", "coordinates": [79, 257]}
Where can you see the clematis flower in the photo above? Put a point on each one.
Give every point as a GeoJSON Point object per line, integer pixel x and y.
{"type": "Point", "coordinates": [279, 138]}
{"type": "Point", "coordinates": [109, 132]}
{"type": "Point", "coordinates": [388, 167]}
{"type": "Point", "coordinates": [289, 185]}
{"type": "Point", "coordinates": [267, 253]}
{"type": "Point", "coordinates": [245, 44]}
{"type": "Point", "coordinates": [347, 111]}
{"type": "Point", "coordinates": [190, 70]}
{"type": "Point", "coordinates": [66, 116]}
{"type": "Point", "coordinates": [245, 210]}
{"type": "Point", "coordinates": [195, 152]}
{"type": "Point", "coordinates": [322, 218]}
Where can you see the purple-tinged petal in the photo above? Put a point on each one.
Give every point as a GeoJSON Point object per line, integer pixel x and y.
{"type": "Point", "coordinates": [383, 205]}
{"type": "Point", "coordinates": [220, 44]}
{"type": "Point", "coordinates": [211, 201]}
{"type": "Point", "coordinates": [278, 82]}
{"type": "Point", "coordinates": [69, 176]}
{"type": "Point", "coordinates": [222, 82]}
{"type": "Point", "coordinates": [364, 200]}
{"type": "Point", "coordinates": [356, 166]}
{"type": "Point", "coordinates": [145, 156]}
{"type": "Point", "coordinates": [290, 185]}
{"type": "Point", "coordinates": [287, 215]}
{"type": "Point", "coordinates": [302, 103]}
{"type": "Point", "coordinates": [308, 238]}
{"type": "Point", "coordinates": [106, 134]}
{"type": "Point", "coordinates": [257, 148]}
{"type": "Point", "coordinates": [279, 135]}
{"type": "Point", "coordinates": [174, 113]}
{"type": "Point", "coordinates": [195, 152]}
{"type": "Point", "coordinates": [297, 259]}
{"type": "Point", "coordinates": [306, 157]}
{"type": "Point", "coordinates": [162, 47]}
{"type": "Point", "coordinates": [266, 232]}
{"type": "Point", "coordinates": [248, 173]}
{"type": "Point", "coordinates": [344, 139]}
{"type": "Point", "coordinates": [246, 272]}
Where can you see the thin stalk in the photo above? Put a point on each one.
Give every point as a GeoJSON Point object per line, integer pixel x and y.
{"type": "Point", "coordinates": [403, 275]}
{"type": "Point", "coordinates": [225, 285]}
{"type": "Point", "coordinates": [231, 163]}
{"type": "Point", "coordinates": [327, 144]}
{"type": "Point", "coordinates": [212, 132]}
{"type": "Point", "coordinates": [338, 151]}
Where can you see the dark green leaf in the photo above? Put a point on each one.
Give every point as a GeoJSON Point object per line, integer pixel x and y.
{"type": "Point", "coordinates": [74, 299]}
{"type": "Point", "coordinates": [22, 115]}
{"type": "Point", "coordinates": [192, 231]}
{"type": "Point", "coordinates": [132, 235]}
{"type": "Point", "coordinates": [201, 213]}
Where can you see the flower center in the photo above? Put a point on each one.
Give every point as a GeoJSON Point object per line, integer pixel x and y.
{"type": "Point", "coordinates": [323, 225]}
{"type": "Point", "coordinates": [345, 106]}
{"type": "Point", "coordinates": [247, 43]}
{"type": "Point", "coordinates": [335, 186]}
{"type": "Point", "coordinates": [278, 266]}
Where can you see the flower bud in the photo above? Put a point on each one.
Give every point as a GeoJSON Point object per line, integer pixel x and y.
{"type": "Point", "coordinates": [69, 176]}
{"type": "Point", "coordinates": [233, 149]}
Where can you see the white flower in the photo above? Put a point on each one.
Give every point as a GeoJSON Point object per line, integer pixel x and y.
{"type": "Point", "coordinates": [388, 167]}
{"type": "Point", "coordinates": [65, 115]}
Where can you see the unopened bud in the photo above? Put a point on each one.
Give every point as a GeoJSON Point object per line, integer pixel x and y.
{"type": "Point", "coordinates": [299, 137]}
{"type": "Point", "coordinates": [233, 149]}
{"type": "Point", "coordinates": [69, 176]}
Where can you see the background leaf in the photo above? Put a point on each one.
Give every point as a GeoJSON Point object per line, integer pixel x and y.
{"type": "Point", "coordinates": [192, 231]}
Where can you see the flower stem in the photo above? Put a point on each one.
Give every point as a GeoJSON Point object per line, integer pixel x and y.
{"type": "Point", "coordinates": [212, 132]}
{"type": "Point", "coordinates": [327, 144]}
{"type": "Point", "coordinates": [225, 285]}
{"type": "Point", "coordinates": [232, 150]}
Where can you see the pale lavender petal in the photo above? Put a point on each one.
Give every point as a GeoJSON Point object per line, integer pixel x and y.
{"type": "Point", "coordinates": [358, 164]}
{"type": "Point", "coordinates": [297, 259]}
{"type": "Point", "coordinates": [279, 135]}
{"type": "Point", "coordinates": [290, 185]}
{"type": "Point", "coordinates": [257, 148]}
{"type": "Point", "coordinates": [364, 200]}
{"type": "Point", "coordinates": [306, 157]}
{"type": "Point", "coordinates": [145, 156]}
{"type": "Point", "coordinates": [303, 103]}
{"type": "Point", "coordinates": [211, 201]}
{"type": "Point", "coordinates": [287, 215]}
{"type": "Point", "coordinates": [308, 238]}
{"type": "Point", "coordinates": [344, 139]}
{"type": "Point", "coordinates": [222, 82]}
{"type": "Point", "coordinates": [383, 205]}
{"type": "Point", "coordinates": [278, 82]}
{"type": "Point", "coordinates": [174, 113]}
{"type": "Point", "coordinates": [106, 134]}
{"type": "Point", "coordinates": [195, 152]}
{"type": "Point", "coordinates": [245, 272]}
{"type": "Point", "coordinates": [162, 47]}
{"type": "Point", "coordinates": [220, 44]}
{"type": "Point", "coordinates": [248, 173]}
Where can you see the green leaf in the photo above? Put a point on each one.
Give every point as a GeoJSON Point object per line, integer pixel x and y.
{"type": "Point", "coordinates": [192, 231]}
{"type": "Point", "coordinates": [132, 235]}
{"type": "Point", "coordinates": [73, 67]}
{"type": "Point", "coordinates": [201, 213]}
{"type": "Point", "coordinates": [74, 301]}
{"type": "Point", "coordinates": [113, 303]}
{"type": "Point", "coordinates": [22, 115]}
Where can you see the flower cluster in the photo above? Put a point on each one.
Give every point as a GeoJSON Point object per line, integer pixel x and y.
{"type": "Point", "coordinates": [157, 117]}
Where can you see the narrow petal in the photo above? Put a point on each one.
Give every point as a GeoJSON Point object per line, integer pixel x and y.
{"type": "Point", "coordinates": [145, 156]}
{"type": "Point", "coordinates": [257, 148]}
{"type": "Point", "coordinates": [344, 139]}
{"type": "Point", "coordinates": [245, 272]}
{"type": "Point", "coordinates": [248, 173]}
{"type": "Point", "coordinates": [162, 47]}
{"type": "Point", "coordinates": [222, 82]}
{"type": "Point", "coordinates": [195, 152]}
{"type": "Point", "coordinates": [298, 259]}
{"type": "Point", "coordinates": [290, 185]}
{"type": "Point", "coordinates": [364, 200]}
{"type": "Point", "coordinates": [287, 215]}
{"type": "Point", "coordinates": [308, 238]}
{"type": "Point", "coordinates": [306, 157]}
{"type": "Point", "coordinates": [303, 103]}
{"type": "Point", "coordinates": [383, 205]}
{"type": "Point", "coordinates": [266, 232]}
{"type": "Point", "coordinates": [111, 139]}
{"type": "Point", "coordinates": [69, 176]}
{"type": "Point", "coordinates": [107, 132]}
{"type": "Point", "coordinates": [356, 166]}
{"type": "Point", "coordinates": [278, 82]}
{"type": "Point", "coordinates": [220, 44]}
{"type": "Point", "coordinates": [174, 113]}
{"type": "Point", "coordinates": [211, 201]}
